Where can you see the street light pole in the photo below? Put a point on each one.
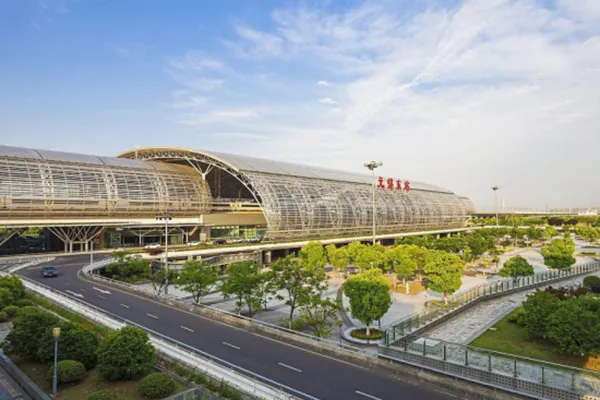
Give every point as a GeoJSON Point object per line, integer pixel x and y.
{"type": "Point", "coordinates": [372, 166]}
{"type": "Point", "coordinates": [495, 188]}
{"type": "Point", "coordinates": [166, 217]}
{"type": "Point", "coordinates": [56, 334]}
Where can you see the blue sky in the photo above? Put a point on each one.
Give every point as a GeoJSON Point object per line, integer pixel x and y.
{"type": "Point", "coordinates": [462, 94]}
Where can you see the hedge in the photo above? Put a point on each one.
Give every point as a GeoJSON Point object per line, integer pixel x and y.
{"type": "Point", "coordinates": [156, 386]}
{"type": "Point", "coordinates": [11, 310]}
{"type": "Point", "coordinates": [103, 395]}
{"type": "Point", "coordinates": [3, 316]}
{"type": "Point", "coordinates": [68, 371]}
{"type": "Point", "coordinates": [588, 281]}
{"type": "Point", "coordinates": [23, 303]}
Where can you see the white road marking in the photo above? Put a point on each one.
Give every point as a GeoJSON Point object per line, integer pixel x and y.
{"type": "Point", "coordinates": [152, 316]}
{"type": "Point", "coordinates": [290, 367]}
{"type": "Point", "coordinates": [367, 395]}
{"type": "Point", "coordinates": [74, 294]}
{"type": "Point", "coordinates": [124, 305]}
{"type": "Point", "coordinates": [100, 290]}
{"type": "Point", "coordinates": [446, 393]}
{"type": "Point", "coordinates": [231, 345]}
{"type": "Point", "coordinates": [102, 297]}
{"type": "Point", "coordinates": [186, 328]}
{"type": "Point", "coordinates": [83, 290]}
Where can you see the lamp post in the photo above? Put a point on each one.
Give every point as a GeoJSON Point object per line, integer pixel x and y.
{"type": "Point", "coordinates": [495, 188]}
{"type": "Point", "coordinates": [56, 334]}
{"type": "Point", "coordinates": [166, 217]}
{"type": "Point", "coordinates": [372, 166]}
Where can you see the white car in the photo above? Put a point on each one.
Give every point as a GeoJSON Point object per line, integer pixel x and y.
{"type": "Point", "coordinates": [193, 243]}
{"type": "Point", "coordinates": [152, 246]}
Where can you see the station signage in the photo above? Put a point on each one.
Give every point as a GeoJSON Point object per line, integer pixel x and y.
{"type": "Point", "coordinates": [393, 184]}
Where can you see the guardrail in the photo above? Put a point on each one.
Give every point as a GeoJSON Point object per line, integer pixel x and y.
{"type": "Point", "coordinates": [23, 263]}
{"type": "Point", "coordinates": [416, 322]}
{"type": "Point", "coordinates": [237, 377]}
{"type": "Point", "coordinates": [28, 386]}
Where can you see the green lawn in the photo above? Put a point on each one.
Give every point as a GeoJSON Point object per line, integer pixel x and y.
{"type": "Point", "coordinates": [511, 338]}
{"type": "Point", "coordinates": [127, 390]}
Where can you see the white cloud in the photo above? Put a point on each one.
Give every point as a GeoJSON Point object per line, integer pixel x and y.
{"type": "Point", "coordinates": [327, 100]}
{"type": "Point", "coordinates": [465, 96]}
{"type": "Point", "coordinates": [196, 61]}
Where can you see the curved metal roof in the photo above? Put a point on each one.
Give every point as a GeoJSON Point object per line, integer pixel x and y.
{"type": "Point", "coordinates": [253, 164]}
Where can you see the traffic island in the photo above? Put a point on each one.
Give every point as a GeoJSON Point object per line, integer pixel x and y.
{"type": "Point", "coordinates": [359, 335]}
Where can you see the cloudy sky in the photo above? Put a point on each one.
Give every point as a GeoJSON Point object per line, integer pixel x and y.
{"type": "Point", "coordinates": [462, 94]}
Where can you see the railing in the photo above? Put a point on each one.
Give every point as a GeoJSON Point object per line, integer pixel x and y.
{"type": "Point", "coordinates": [457, 303]}
{"type": "Point", "coordinates": [16, 264]}
{"type": "Point", "coordinates": [32, 390]}
{"type": "Point", "coordinates": [532, 377]}
{"type": "Point", "coordinates": [238, 377]}
{"type": "Point", "coordinates": [231, 258]}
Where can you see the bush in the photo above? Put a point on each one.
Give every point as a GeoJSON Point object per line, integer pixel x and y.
{"type": "Point", "coordinates": [11, 310]}
{"type": "Point", "coordinates": [23, 303]}
{"type": "Point", "coordinates": [362, 334]}
{"type": "Point", "coordinates": [3, 316]}
{"type": "Point", "coordinates": [68, 371]}
{"type": "Point", "coordinates": [28, 332]}
{"type": "Point", "coordinates": [156, 386]}
{"type": "Point", "coordinates": [125, 354]}
{"type": "Point", "coordinates": [103, 395]}
{"type": "Point", "coordinates": [588, 281]}
{"type": "Point", "coordinates": [76, 343]}
{"type": "Point", "coordinates": [516, 317]}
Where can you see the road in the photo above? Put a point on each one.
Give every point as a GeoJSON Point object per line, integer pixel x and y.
{"type": "Point", "coordinates": [311, 373]}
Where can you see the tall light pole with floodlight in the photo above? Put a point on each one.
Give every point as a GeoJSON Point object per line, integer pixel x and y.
{"type": "Point", "coordinates": [372, 166]}
{"type": "Point", "coordinates": [56, 335]}
{"type": "Point", "coordinates": [495, 188]}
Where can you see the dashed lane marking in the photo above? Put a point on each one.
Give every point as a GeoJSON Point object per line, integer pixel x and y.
{"type": "Point", "coordinates": [124, 305]}
{"type": "Point", "coordinates": [290, 367]}
{"type": "Point", "coordinates": [186, 328]}
{"type": "Point", "coordinates": [152, 316]}
{"type": "Point", "coordinates": [231, 345]}
{"type": "Point", "coordinates": [367, 395]}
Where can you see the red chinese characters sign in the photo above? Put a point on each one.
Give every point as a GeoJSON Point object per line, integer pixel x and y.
{"type": "Point", "coordinates": [391, 184]}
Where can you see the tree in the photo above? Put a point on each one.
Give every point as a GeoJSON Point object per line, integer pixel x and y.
{"type": "Point", "coordinates": [313, 256]}
{"type": "Point", "coordinates": [319, 314]}
{"type": "Point", "coordinates": [161, 279]}
{"type": "Point", "coordinates": [534, 233]}
{"type": "Point", "coordinates": [369, 296]}
{"type": "Point", "coordinates": [402, 262]}
{"type": "Point", "coordinates": [197, 279]}
{"type": "Point", "coordinates": [298, 282]}
{"type": "Point", "coordinates": [28, 331]}
{"type": "Point", "coordinates": [423, 241]}
{"type": "Point", "coordinates": [370, 257]}
{"type": "Point", "coordinates": [353, 249]}
{"type": "Point", "coordinates": [14, 284]}
{"type": "Point", "coordinates": [444, 272]}
{"type": "Point", "coordinates": [559, 253]}
{"type": "Point", "coordinates": [536, 310]}
{"type": "Point", "coordinates": [126, 266]}
{"type": "Point", "coordinates": [515, 268]}
{"type": "Point", "coordinates": [338, 257]}
{"type": "Point", "coordinates": [6, 298]}
{"type": "Point", "coordinates": [244, 281]}
{"type": "Point", "coordinates": [125, 354]}
{"type": "Point", "coordinates": [76, 343]}
{"type": "Point", "coordinates": [574, 326]}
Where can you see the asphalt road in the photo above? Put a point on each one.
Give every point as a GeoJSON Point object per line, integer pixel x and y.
{"type": "Point", "coordinates": [311, 373]}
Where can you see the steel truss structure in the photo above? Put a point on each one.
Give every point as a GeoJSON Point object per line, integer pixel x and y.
{"type": "Point", "coordinates": [36, 184]}
{"type": "Point", "coordinates": [71, 235]}
{"type": "Point", "coordinates": [307, 202]}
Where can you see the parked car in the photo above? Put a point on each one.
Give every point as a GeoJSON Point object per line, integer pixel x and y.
{"type": "Point", "coordinates": [219, 241]}
{"type": "Point", "coordinates": [193, 243]}
{"type": "Point", "coordinates": [49, 272]}
{"type": "Point", "coordinates": [152, 246]}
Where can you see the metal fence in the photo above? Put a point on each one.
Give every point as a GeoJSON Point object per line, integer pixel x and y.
{"type": "Point", "coordinates": [417, 321]}
{"type": "Point", "coordinates": [505, 371]}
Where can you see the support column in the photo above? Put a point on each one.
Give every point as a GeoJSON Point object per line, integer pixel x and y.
{"type": "Point", "coordinates": [75, 234]}
{"type": "Point", "coordinates": [286, 252]}
{"type": "Point", "coordinates": [9, 233]}
{"type": "Point", "coordinates": [267, 257]}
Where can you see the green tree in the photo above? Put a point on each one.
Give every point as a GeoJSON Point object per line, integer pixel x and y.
{"type": "Point", "coordinates": [559, 253]}
{"type": "Point", "coordinates": [444, 272]}
{"type": "Point", "coordinates": [550, 232]}
{"type": "Point", "coordinates": [197, 278]}
{"type": "Point", "coordinates": [313, 255]}
{"type": "Point", "coordinates": [125, 354]}
{"type": "Point", "coordinates": [76, 343]}
{"type": "Point", "coordinates": [370, 257]}
{"type": "Point", "coordinates": [161, 279]}
{"type": "Point", "coordinates": [402, 263]}
{"type": "Point", "coordinates": [6, 298]}
{"type": "Point", "coordinates": [534, 233]}
{"type": "Point", "coordinates": [14, 284]}
{"type": "Point", "coordinates": [298, 282]}
{"type": "Point", "coordinates": [515, 268]}
{"type": "Point", "coordinates": [536, 310]}
{"type": "Point", "coordinates": [338, 257]}
{"type": "Point", "coordinates": [319, 314]}
{"type": "Point", "coordinates": [28, 331]}
{"type": "Point", "coordinates": [574, 326]}
{"type": "Point", "coordinates": [244, 281]}
{"type": "Point", "coordinates": [369, 296]}
{"type": "Point", "coordinates": [353, 249]}
{"type": "Point", "coordinates": [126, 266]}
{"type": "Point", "coordinates": [423, 241]}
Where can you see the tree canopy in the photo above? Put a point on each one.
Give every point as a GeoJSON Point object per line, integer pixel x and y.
{"type": "Point", "coordinates": [559, 253]}
{"type": "Point", "coordinates": [125, 354]}
{"type": "Point", "coordinates": [28, 331]}
{"type": "Point", "coordinates": [338, 256]}
{"type": "Point", "coordinates": [515, 268]}
{"type": "Point", "coordinates": [444, 272]}
{"type": "Point", "coordinates": [369, 296]}
{"type": "Point", "coordinates": [197, 278]}
{"type": "Point", "coordinates": [313, 255]}
{"type": "Point", "coordinates": [370, 257]}
{"type": "Point", "coordinates": [245, 282]}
